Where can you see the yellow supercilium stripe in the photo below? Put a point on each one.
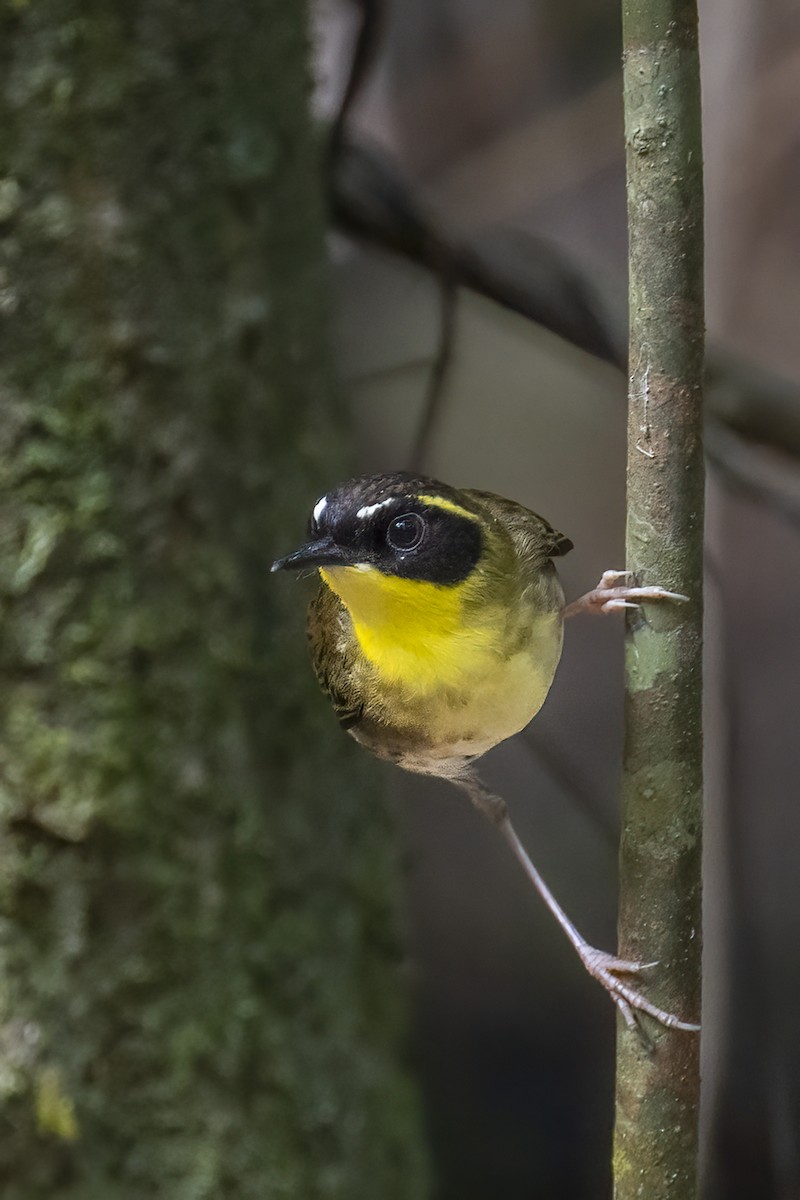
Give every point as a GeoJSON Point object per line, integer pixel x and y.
{"type": "Point", "coordinates": [448, 506]}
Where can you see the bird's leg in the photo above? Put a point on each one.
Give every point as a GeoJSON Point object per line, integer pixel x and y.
{"type": "Point", "coordinates": [603, 967]}
{"type": "Point", "coordinates": [613, 594]}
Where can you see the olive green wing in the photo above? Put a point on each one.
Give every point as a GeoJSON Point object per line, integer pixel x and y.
{"type": "Point", "coordinates": [533, 536]}
{"type": "Point", "coordinates": [332, 644]}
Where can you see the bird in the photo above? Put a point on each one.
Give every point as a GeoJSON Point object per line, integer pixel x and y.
{"type": "Point", "coordinates": [436, 630]}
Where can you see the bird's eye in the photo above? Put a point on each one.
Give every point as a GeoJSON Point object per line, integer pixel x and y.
{"type": "Point", "coordinates": [317, 517]}
{"type": "Point", "coordinates": [406, 532]}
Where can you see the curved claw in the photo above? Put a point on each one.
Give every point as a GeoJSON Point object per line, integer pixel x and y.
{"type": "Point", "coordinates": [629, 597]}
{"type": "Point", "coordinates": [657, 593]}
{"type": "Point", "coordinates": [622, 966]}
{"type": "Point", "coordinates": [610, 579]}
{"type": "Point", "coordinates": [617, 605]}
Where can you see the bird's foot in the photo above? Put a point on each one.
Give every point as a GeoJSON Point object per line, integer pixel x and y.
{"type": "Point", "coordinates": [613, 595]}
{"type": "Point", "coordinates": [607, 969]}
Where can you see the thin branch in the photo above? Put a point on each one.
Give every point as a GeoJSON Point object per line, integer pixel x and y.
{"type": "Point", "coordinates": [658, 1092]}
{"type": "Point", "coordinates": [434, 398]}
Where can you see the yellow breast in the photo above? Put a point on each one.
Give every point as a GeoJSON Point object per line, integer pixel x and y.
{"type": "Point", "coordinates": [412, 632]}
{"type": "Point", "coordinates": [456, 670]}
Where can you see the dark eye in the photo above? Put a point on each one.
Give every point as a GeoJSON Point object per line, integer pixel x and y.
{"type": "Point", "coordinates": [405, 533]}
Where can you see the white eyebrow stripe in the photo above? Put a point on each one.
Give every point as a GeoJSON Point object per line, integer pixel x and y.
{"type": "Point", "coordinates": [369, 509]}
{"type": "Point", "coordinates": [319, 507]}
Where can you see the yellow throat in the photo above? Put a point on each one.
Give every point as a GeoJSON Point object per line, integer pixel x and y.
{"type": "Point", "coordinates": [416, 633]}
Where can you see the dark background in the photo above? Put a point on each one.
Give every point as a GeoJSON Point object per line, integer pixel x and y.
{"type": "Point", "coordinates": [508, 115]}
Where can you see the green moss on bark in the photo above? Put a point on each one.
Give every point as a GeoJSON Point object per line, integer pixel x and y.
{"type": "Point", "coordinates": [200, 992]}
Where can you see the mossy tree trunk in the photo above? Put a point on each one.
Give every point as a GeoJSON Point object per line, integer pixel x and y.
{"type": "Point", "coordinates": [199, 991]}
{"type": "Point", "coordinates": [660, 918]}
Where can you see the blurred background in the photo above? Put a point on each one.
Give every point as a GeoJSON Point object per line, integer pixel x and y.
{"type": "Point", "coordinates": [478, 243]}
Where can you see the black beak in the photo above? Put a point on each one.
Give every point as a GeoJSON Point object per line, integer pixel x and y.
{"type": "Point", "coordinates": [322, 553]}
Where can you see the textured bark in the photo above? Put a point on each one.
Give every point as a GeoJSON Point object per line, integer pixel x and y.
{"type": "Point", "coordinates": [657, 1094]}
{"type": "Point", "coordinates": [199, 992]}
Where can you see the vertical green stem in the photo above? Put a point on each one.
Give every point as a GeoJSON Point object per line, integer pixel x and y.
{"type": "Point", "coordinates": [657, 1093]}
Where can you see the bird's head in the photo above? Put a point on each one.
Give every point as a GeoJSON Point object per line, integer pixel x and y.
{"type": "Point", "coordinates": [395, 526]}
{"type": "Point", "coordinates": [429, 574]}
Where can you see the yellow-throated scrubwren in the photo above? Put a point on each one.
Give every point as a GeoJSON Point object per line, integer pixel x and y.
{"type": "Point", "coordinates": [436, 631]}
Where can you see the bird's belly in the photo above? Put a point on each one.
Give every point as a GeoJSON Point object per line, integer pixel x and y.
{"type": "Point", "coordinates": [498, 706]}
{"type": "Point", "coordinates": [436, 731]}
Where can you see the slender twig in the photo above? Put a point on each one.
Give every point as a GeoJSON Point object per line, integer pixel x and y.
{"type": "Point", "coordinates": [658, 1093]}
{"type": "Point", "coordinates": [434, 395]}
